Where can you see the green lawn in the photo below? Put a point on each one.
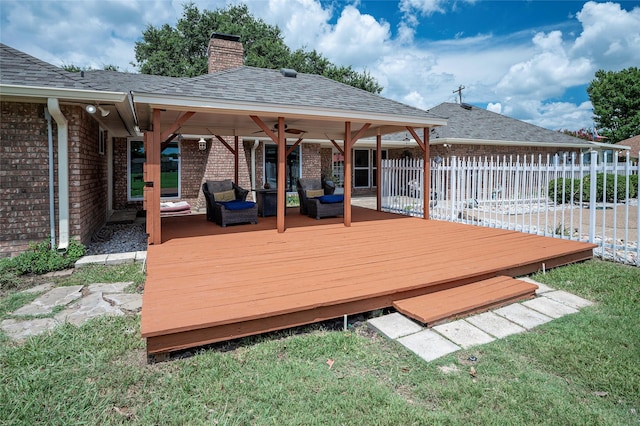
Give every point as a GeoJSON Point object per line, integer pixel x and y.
{"type": "Point", "coordinates": [579, 369]}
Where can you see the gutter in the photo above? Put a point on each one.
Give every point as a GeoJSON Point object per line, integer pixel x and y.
{"type": "Point", "coordinates": [52, 208]}
{"type": "Point", "coordinates": [63, 173]}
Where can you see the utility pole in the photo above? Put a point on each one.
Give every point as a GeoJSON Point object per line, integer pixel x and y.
{"type": "Point", "coordinates": [460, 89]}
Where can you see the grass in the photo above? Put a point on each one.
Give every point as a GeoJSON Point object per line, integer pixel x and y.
{"type": "Point", "coordinates": [579, 369]}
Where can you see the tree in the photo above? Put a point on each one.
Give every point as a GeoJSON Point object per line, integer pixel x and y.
{"type": "Point", "coordinates": [616, 103]}
{"type": "Point", "coordinates": [182, 51]}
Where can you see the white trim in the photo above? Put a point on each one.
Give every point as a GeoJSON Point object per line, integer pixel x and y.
{"type": "Point", "coordinates": [290, 111]}
{"type": "Point", "coordinates": [61, 93]}
{"type": "Point", "coordinates": [466, 141]}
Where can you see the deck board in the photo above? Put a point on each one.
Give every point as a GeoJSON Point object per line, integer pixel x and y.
{"type": "Point", "coordinates": [456, 302]}
{"type": "Point", "coordinates": [206, 283]}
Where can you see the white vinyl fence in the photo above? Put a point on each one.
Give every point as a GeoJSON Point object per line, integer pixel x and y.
{"type": "Point", "coordinates": [550, 196]}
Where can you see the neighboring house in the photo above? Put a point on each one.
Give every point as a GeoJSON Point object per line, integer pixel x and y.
{"type": "Point", "coordinates": [633, 143]}
{"type": "Point", "coordinates": [473, 131]}
{"type": "Point", "coordinates": [72, 145]}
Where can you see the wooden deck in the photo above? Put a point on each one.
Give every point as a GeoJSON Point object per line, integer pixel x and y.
{"type": "Point", "coordinates": [207, 284]}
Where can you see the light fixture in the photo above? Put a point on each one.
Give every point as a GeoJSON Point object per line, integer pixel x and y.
{"type": "Point", "coordinates": [103, 112]}
{"type": "Point", "coordinates": [202, 144]}
{"type": "Point", "coordinates": [91, 109]}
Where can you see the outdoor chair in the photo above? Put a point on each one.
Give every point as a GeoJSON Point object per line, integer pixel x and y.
{"type": "Point", "coordinates": [226, 203]}
{"type": "Point", "coordinates": [317, 198]}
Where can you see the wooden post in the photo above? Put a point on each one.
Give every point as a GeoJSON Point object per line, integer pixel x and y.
{"type": "Point", "coordinates": [236, 159]}
{"type": "Point", "coordinates": [347, 173]}
{"type": "Point", "coordinates": [426, 184]}
{"type": "Point", "coordinates": [378, 171]}
{"type": "Point", "coordinates": [282, 171]}
{"type": "Point", "coordinates": [152, 185]}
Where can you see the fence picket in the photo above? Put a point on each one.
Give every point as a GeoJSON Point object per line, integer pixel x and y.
{"type": "Point", "coordinates": [506, 193]}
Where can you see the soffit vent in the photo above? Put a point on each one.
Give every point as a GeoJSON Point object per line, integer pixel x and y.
{"type": "Point", "coordinates": [287, 72]}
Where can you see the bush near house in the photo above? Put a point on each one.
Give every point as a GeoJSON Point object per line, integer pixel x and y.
{"type": "Point", "coordinates": [38, 259]}
{"type": "Point", "coordinates": [563, 191]}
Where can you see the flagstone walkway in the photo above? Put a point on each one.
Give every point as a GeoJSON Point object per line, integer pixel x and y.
{"type": "Point", "coordinates": [433, 343]}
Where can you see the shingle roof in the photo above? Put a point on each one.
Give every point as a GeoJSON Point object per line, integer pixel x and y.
{"type": "Point", "coordinates": [125, 82]}
{"type": "Point", "coordinates": [18, 68]}
{"type": "Point", "coordinates": [481, 124]}
{"type": "Point", "coordinates": [259, 85]}
{"type": "Point", "coordinates": [633, 143]}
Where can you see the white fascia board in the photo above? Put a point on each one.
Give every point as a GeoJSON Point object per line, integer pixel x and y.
{"type": "Point", "coordinates": [611, 146]}
{"type": "Point", "coordinates": [463, 141]}
{"type": "Point", "coordinates": [292, 111]}
{"type": "Point", "coordinates": [61, 93]}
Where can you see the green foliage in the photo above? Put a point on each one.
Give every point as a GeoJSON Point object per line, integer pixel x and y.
{"type": "Point", "coordinates": [563, 191]}
{"type": "Point", "coordinates": [40, 259]}
{"type": "Point", "coordinates": [181, 51]}
{"type": "Point", "coordinates": [615, 96]}
{"type": "Point", "coordinates": [610, 181]}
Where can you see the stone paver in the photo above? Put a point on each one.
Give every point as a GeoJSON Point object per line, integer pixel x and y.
{"type": "Point", "coordinates": [549, 307]}
{"type": "Point", "coordinates": [22, 329]}
{"type": "Point", "coordinates": [44, 304]}
{"type": "Point", "coordinates": [120, 258]}
{"type": "Point", "coordinates": [464, 334]}
{"type": "Point", "coordinates": [394, 325]}
{"type": "Point", "coordinates": [108, 288]}
{"type": "Point", "coordinates": [100, 259]}
{"type": "Point", "coordinates": [523, 316]}
{"type": "Point", "coordinates": [88, 307]}
{"type": "Point", "coordinates": [495, 325]}
{"type": "Point", "coordinates": [39, 288]}
{"type": "Point", "coordinates": [569, 299]}
{"type": "Point", "coordinates": [127, 301]}
{"type": "Point", "coordinates": [542, 288]}
{"type": "Point", "coordinates": [428, 345]}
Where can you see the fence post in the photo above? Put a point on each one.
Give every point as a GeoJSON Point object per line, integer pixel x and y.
{"type": "Point", "coordinates": [453, 192]}
{"type": "Point", "coordinates": [593, 179]}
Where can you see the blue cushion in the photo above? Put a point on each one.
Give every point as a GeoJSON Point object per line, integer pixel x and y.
{"type": "Point", "coordinates": [238, 205]}
{"type": "Point", "coordinates": [331, 199]}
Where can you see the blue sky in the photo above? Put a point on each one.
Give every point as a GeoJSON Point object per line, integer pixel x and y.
{"type": "Point", "coordinates": [531, 60]}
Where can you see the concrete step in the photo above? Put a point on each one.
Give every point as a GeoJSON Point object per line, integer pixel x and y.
{"type": "Point", "coordinates": [480, 296]}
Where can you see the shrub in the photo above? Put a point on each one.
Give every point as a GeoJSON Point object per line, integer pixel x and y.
{"type": "Point", "coordinates": [563, 191]}
{"type": "Point", "coordinates": [633, 186]}
{"type": "Point", "coordinates": [40, 259]}
{"type": "Point", "coordinates": [619, 195]}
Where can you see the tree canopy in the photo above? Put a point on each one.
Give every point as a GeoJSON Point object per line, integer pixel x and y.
{"type": "Point", "coordinates": [615, 96]}
{"type": "Point", "coordinates": [181, 51]}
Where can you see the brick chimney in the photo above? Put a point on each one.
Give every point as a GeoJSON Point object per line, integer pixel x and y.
{"type": "Point", "coordinates": [225, 52]}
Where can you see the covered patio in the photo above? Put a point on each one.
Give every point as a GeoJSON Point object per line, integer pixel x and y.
{"type": "Point", "coordinates": [207, 284]}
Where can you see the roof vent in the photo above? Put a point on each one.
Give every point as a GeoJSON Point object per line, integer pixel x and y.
{"type": "Point", "coordinates": [287, 72]}
{"type": "Point", "coordinates": [466, 106]}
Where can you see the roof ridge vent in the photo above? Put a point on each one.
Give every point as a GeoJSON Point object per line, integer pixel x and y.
{"type": "Point", "coordinates": [288, 72]}
{"type": "Point", "coordinates": [466, 106]}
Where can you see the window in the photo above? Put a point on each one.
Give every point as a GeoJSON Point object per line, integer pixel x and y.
{"type": "Point", "coordinates": [364, 167]}
{"type": "Point", "coordinates": [101, 141]}
{"type": "Point", "coordinates": [293, 166]}
{"type": "Point", "coordinates": [169, 171]}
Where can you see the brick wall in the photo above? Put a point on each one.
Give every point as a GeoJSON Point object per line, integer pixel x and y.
{"type": "Point", "coordinates": [24, 174]}
{"type": "Point", "coordinates": [224, 54]}
{"type": "Point", "coordinates": [311, 160]}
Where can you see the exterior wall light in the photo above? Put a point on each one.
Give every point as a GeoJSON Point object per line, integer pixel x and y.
{"type": "Point", "coordinates": [202, 144]}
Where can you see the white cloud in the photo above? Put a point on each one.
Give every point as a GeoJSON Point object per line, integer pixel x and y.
{"type": "Point", "coordinates": [497, 107]}
{"type": "Point", "coordinates": [356, 39]}
{"type": "Point", "coordinates": [610, 35]}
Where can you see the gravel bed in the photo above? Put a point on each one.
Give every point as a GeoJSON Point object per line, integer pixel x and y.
{"type": "Point", "coordinates": [119, 238]}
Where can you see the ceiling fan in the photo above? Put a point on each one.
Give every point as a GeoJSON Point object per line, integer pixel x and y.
{"type": "Point", "coordinates": [286, 130]}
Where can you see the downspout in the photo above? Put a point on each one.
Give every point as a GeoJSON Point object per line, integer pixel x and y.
{"type": "Point", "coordinates": [63, 173]}
{"type": "Point", "coordinates": [52, 207]}
{"type": "Point", "coordinates": [253, 166]}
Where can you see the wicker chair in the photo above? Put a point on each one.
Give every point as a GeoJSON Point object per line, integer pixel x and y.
{"type": "Point", "coordinates": [313, 206]}
{"type": "Point", "coordinates": [228, 211]}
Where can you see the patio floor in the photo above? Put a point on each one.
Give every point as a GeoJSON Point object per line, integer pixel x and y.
{"type": "Point", "coordinates": [207, 284]}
